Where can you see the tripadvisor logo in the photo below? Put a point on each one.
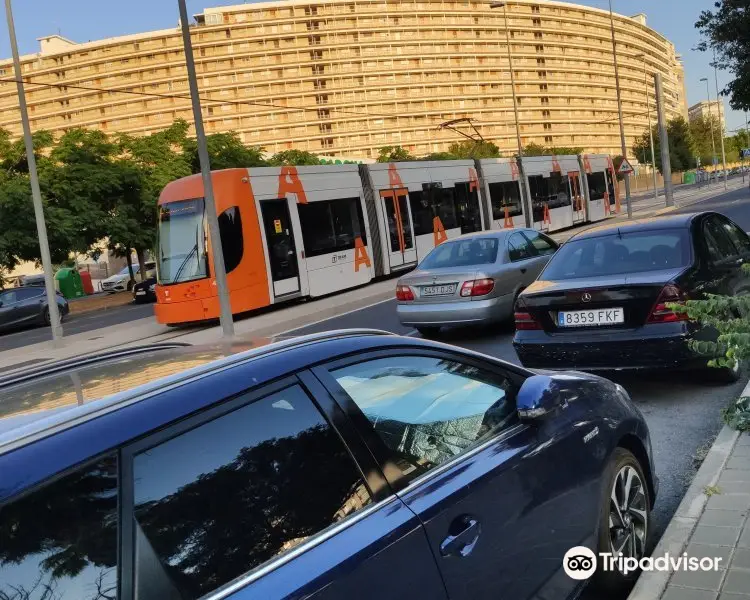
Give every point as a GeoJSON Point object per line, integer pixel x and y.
{"type": "Point", "coordinates": [581, 563]}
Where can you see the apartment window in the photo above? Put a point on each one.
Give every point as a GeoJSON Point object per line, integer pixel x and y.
{"type": "Point", "coordinates": [548, 139]}
{"type": "Point", "coordinates": [542, 87]}
{"type": "Point", "coordinates": [545, 100]}
{"type": "Point", "coordinates": [540, 61]}
{"type": "Point", "coordinates": [535, 9]}
{"type": "Point", "coordinates": [542, 74]}
{"type": "Point", "coordinates": [547, 126]}
{"type": "Point", "coordinates": [545, 114]}
{"type": "Point", "coordinates": [538, 35]}
{"type": "Point", "coordinates": [539, 48]}
{"type": "Point", "coordinates": [536, 22]}
{"type": "Point", "coordinates": [326, 142]}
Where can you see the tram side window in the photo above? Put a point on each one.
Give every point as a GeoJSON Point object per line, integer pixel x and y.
{"type": "Point", "coordinates": [552, 190]}
{"type": "Point", "coordinates": [505, 194]}
{"type": "Point", "coordinates": [467, 207]}
{"type": "Point", "coordinates": [447, 208]}
{"type": "Point", "coordinates": [597, 185]}
{"type": "Point", "coordinates": [331, 225]}
{"type": "Point", "coordinates": [230, 228]}
{"type": "Point", "coordinates": [421, 213]}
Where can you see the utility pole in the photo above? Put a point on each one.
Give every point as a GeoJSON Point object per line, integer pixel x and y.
{"type": "Point", "coordinates": [719, 107]}
{"type": "Point", "coordinates": [217, 253]}
{"type": "Point", "coordinates": [714, 160]}
{"type": "Point", "coordinates": [36, 194]}
{"type": "Point", "coordinates": [624, 147]}
{"type": "Point", "coordinates": [666, 167]}
{"type": "Point", "coordinates": [650, 129]}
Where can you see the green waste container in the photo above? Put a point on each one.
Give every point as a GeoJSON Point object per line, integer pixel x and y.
{"type": "Point", "coordinates": [688, 177]}
{"type": "Point", "coordinates": [69, 283]}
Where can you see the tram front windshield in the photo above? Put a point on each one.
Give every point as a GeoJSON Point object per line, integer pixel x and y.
{"type": "Point", "coordinates": [182, 242]}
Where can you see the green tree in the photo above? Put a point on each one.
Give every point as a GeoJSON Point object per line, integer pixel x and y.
{"type": "Point", "coordinates": [294, 158]}
{"type": "Point", "coordinates": [726, 29]}
{"type": "Point", "coordinates": [681, 146]}
{"type": "Point", "coordinates": [701, 130]}
{"type": "Point", "coordinates": [730, 317]}
{"type": "Point", "coordinates": [439, 156]}
{"type": "Point", "coordinates": [474, 150]}
{"type": "Point", "coordinates": [394, 154]}
{"type": "Point", "coordinates": [158, 159]}
{"type": "Point", "coordinates": [565, 150]}
{"type": "Point", "coordinates": [225, 151]}
{"type": "Point", "coordinates": [534, 149]}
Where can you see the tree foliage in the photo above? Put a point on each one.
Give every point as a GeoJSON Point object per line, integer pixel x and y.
{"type": "Point", "coordinates": [730, 317]}
{"type": "Point", "coordinates": [294, 158]}
{"type": "Point", "coordinates": [473, 150]}
{"type": "Point", "coordinates": [534, 149]}
{"type": "Point", "coordinates": [394, 154]}
{"type": "Point", "coordinates": [726, 30]}
{"type": "Point", "coordinates": [681, 146]}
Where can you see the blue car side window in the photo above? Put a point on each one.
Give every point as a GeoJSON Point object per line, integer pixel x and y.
{"type": "Point", "coordinates": [60, 541]}
{"type": "Point", "coordinates": [427, 410]}
{"type": "Point", "coordinates": [219, 500]}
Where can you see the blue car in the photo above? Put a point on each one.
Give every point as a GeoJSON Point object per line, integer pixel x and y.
{"type": "Point", "coordinates": [346, 464]}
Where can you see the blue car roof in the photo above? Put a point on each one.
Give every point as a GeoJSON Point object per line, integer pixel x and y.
{"type": "Point", "coordinates": [37, 401]}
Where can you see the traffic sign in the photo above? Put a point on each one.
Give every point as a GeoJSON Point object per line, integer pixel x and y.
{"type": "Point", "coordinates": [625, 167]}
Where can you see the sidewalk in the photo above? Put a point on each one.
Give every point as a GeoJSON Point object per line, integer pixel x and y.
{"type": "Point", "coordinates": [713, 520]}
{"type": "Point", "coordinates": [278, 320]}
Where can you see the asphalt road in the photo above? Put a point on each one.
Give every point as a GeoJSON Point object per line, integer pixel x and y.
{"type": "Point", "coordinates": [682, 410]}
{"type": "Point", "coordinates": [76, 324]}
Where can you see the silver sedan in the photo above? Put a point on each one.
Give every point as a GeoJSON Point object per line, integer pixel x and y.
{"type": "Point", "coordinates": [472, 279]}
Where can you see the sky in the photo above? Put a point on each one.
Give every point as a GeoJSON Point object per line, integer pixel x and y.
{"type": "Point", "coordinates": [85, 20]}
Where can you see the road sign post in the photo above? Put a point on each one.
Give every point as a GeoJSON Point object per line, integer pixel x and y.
{"type": "Point", "coordinates": [625, 167]}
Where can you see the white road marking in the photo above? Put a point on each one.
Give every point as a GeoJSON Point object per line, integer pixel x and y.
{"type": "Point", "coordinates": [348, 312]}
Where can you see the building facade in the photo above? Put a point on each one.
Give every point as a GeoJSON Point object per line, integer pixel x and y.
{"type": "Point", "coordinates": [714, 108]}
{"type": "Point", "coordinates": [347, 77]}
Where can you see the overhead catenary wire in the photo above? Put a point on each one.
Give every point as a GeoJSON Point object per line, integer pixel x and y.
{"type": "Point", "coordinates": [220, 101]}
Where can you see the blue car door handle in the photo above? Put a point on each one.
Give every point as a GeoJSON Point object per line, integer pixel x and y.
{"type": "Point", "coordinates": [464, 541]}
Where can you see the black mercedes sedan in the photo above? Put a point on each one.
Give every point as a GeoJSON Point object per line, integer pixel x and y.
{"type": "Point", "coordinates": [145, 291]}
{"type": "Point", "coordinates": [602, 302]}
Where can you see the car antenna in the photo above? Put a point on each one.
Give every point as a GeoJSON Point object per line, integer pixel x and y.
{"type": "Point", "coordinates": [619, 233]}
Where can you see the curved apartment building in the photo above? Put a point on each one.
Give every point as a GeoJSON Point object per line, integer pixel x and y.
{"type": "Point", "coordinates": [347, 77]}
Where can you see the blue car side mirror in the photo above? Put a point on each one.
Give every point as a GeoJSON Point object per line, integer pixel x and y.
{"type": "Point", "coordinates": [539, 395]}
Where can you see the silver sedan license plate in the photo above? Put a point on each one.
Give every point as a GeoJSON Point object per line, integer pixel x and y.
{"type": "Point", "coordinates": [439, 290]}
{"type": "Point", "coordinates": [591, 318]}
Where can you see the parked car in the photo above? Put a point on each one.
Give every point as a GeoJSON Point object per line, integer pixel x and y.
{"type": "Point", "coordinates": [313, 467]}
{"type": "Point", "coordinates": [145, 291]}
{"type": "Point", "coordinates": [121, 281]}
{"type": "Point", "coordinates": [472, 279]}
{"type": "Point", "coordinates": [603, 300]}
{"type": "Point", "coordinates": [30, 280]}
{"type": "Point", "coordinates": [27, 305]}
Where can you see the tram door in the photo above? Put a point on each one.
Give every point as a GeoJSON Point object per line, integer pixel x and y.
{"type": "Point", "coordinates": [576, 194]}
{"type": "Point", "coordinates": [280, 246]}
{"type": "Point", "coordinates": [399, 228]}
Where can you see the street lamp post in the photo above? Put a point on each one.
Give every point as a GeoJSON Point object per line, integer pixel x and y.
{"type": "Point", "coordinates": [36, 194]}
{"type": "Point", "coordinates": [217, 254]}
{"type": "Point", "coordinates": [504, 6]}
{"type": "Point", "coordinates": [619, 111]}
{"type": "Point", "coordinates": [721, 128]}
{"type": "Point", "coordinates": [650, 130]}
{"type": "Point", "coordinates": [711, 121]}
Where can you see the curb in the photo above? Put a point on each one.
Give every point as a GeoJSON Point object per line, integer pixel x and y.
{"type": "Point", "coordinates": [651, 585]}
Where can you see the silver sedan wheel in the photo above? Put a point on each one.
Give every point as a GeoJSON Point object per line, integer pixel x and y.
{"type": "Point", "coordinates": [628, 514]}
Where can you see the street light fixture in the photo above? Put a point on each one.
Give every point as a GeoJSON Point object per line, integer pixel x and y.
{"type": "Point", "coordinates": [718, 108]}
{"type": "Point", "coordinates": [503, 5]}
{"type": "Point", "coordinates": [711, 121]}
{"type": "Point", "coordinates": [36, 194]}
{"type": "Point", "coordinates": [650, 130]}
{"type": "Point", "coordinates": [624, 147]}
{"type": "Point", "coordinates": [220, 273]}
